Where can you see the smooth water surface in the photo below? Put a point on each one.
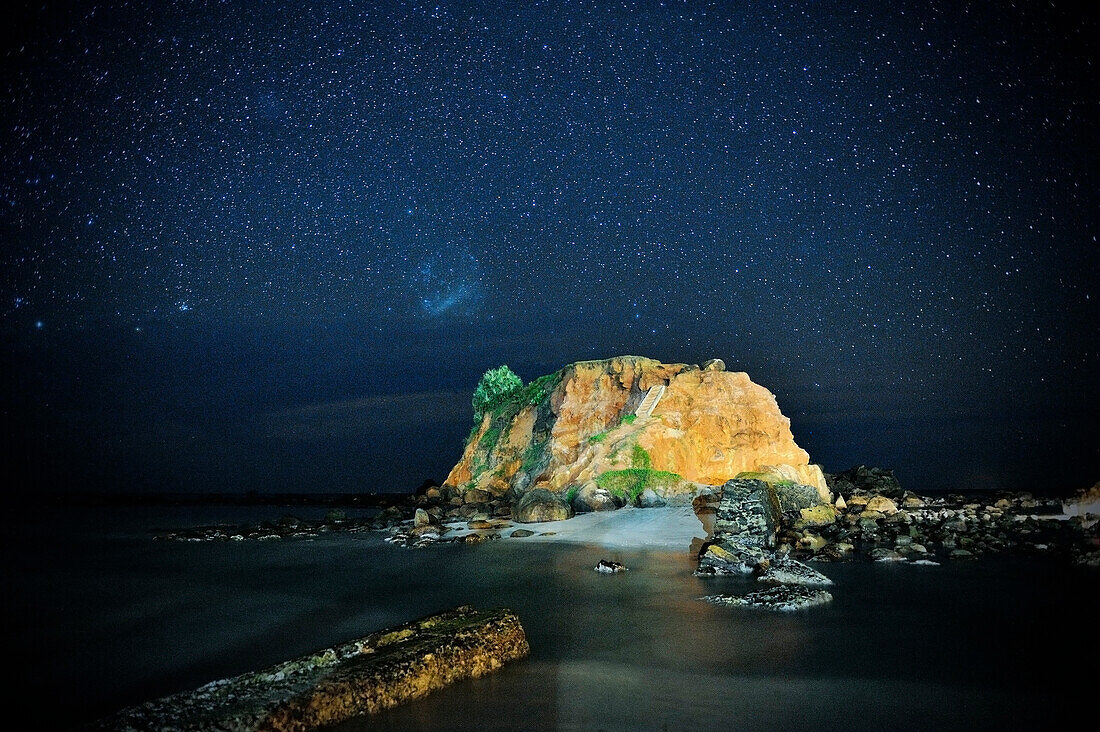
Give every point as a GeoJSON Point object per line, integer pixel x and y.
{"type": "Point", "coordinates": [100, 616]}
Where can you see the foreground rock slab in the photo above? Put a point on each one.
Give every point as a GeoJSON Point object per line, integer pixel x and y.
{"type": "Point", "coordinates": [363, 676]}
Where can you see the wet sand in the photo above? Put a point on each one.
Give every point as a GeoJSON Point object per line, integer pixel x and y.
{"type": "Point", "coordinates": [627, 528]}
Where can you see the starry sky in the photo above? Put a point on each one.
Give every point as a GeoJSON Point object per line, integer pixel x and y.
{"type": "Point", "coordinates": [272, 246]}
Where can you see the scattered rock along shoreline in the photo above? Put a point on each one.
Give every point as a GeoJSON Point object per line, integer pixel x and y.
{"type": "Point", "coordinates": [600, 435]}
{"type": "Point", "coordinates": [775, 533]}
{"type": "Point", "coordinates": [872, 519]}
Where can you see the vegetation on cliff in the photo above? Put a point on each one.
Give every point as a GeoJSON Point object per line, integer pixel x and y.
{"type": "Point", "coordinates": [495, 388]}
{"type": "Point", "coordinates": [579, 429]}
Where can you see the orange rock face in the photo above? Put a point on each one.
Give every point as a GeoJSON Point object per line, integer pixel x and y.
{"type": "Point", "coordinates": [712, 425]}
{"type": "Point", "coordinates": [708, 427]}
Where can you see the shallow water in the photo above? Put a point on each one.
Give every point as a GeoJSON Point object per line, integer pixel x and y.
{"type": "Point", "coordinates": [103, 617]}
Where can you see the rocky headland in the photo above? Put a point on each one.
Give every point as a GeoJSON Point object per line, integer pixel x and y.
{"type": "Point", "coordinates": [628, 448]}
{"type": "Point", "coordinates": [598, 435]}
{"type": "Point", "coordinates": [631, 431]}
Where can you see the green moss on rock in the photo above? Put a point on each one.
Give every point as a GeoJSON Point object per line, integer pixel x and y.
{"type": "Point", "coordinates": [630, 483]}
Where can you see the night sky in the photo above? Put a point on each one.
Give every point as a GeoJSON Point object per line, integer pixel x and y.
{"type": "Point", "coordinates": [256, 246]}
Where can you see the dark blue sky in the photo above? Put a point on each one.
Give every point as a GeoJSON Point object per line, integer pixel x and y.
{"type": "Point", "coordinates": [262, 246]}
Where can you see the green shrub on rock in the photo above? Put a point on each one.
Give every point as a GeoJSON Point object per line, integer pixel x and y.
{"type": "Point", "coordinates": [495, 387]}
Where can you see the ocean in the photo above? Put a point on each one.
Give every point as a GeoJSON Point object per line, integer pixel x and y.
{"type": "Point", "coordinates": [100, 616]}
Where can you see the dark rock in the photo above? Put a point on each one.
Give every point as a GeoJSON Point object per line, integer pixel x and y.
{"type": "Point", "coordinates": [835, 552]}
{"type": "Point", "coordinates": [541, 505]}
{"type": "Point", "coordinates": [1090, 559]}
{"type": "Point", "coordinates": [794, 497]}
{"type": "Point", "coordinates": [787, 571]}
{"type": "Point", "coordinates": [782, 598]}
{"type": "Point", "coordinates": [882, 554]}
{"type": "Point", "coordinates": [521, 533]}
{"type": "Point", "coordinates": [361, 677]}
{"type": "Point", "coordinates": [390, 515]}
{"type": "Point", "coordinates": [477, 496]}
{"type": "Point", "coordinates": [606, 566]}
{"type": "Point", "coordinates": [864, 479]}
{"type": "Point", "coordinates": [957, 525]}
{"type": "Point", "coordinates": [731, 558]}
{"type": "Point", "coordinates": [748, 513]}
{"type": "Point", "coordinates": [714, 364]}
{"type": "Point", "coordinates": [468, 510]}
{"type": "Point", "coordinates": [868, 525]}
{"type": "Point", "coordinates": [427, 530]}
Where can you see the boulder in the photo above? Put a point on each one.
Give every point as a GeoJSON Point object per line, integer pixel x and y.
{"type": "Point", "coordinates": [812, 542]}
{"type": "Point", "coordinates": [882, 504]}
{"type": "Point", "coordinates": [857, 501]}
{"type": "Point", "coordinates": [477, 496]}
{"type": "Point", "coordinates": [724, 558]}
{"type": "Point", "coordinates": [836, 551]}
{"type": "Point", "coordinates": [868, 525]}
{"type": "Point", "coordinates": [650, 499]}
{"type": "Point", "coordinates": [912, 501]}
{"type": "Point", "coordinates": [541, 505]}
{"type": "Point", "coordinates": [787, 571]}
{"type": "Point", "coordinates": [591, 497]}
{"type": "Point", "coordinates": [796, 496]}
{"type": "Point", "coordinates": [823, 515]}
{"type": "Point", "coordinates": [748, 513]}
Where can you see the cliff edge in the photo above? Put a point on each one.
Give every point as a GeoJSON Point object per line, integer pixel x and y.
{"type": "Point", "coordinates": [627, 430]}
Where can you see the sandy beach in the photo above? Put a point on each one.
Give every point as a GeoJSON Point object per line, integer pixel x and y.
{"type": "Point", "coordinates": [668, 528]}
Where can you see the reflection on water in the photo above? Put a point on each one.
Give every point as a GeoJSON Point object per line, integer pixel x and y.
{"type": "Point", "coordinates": [119, 619]}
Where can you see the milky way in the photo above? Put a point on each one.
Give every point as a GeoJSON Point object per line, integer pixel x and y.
{"type": "Point", "coordinates": [885, 212]}
{"type": "Point", "coordinates": [450, 282]}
